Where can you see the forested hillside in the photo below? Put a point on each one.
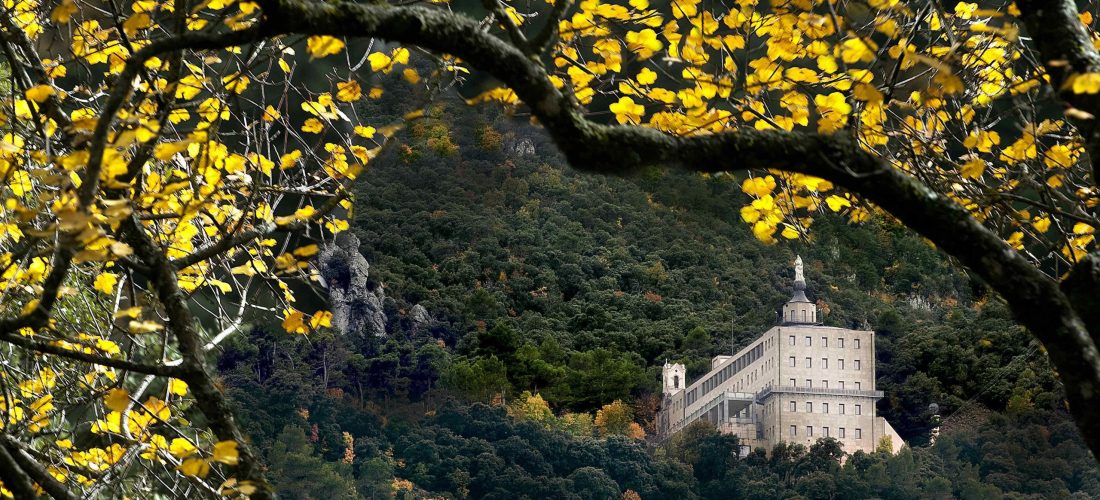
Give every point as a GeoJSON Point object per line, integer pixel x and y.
{"type": "Point", "coordinates": [501, 274]}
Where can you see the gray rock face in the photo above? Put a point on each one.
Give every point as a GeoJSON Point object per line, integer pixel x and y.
{"type": "Point", "coordinates": [419, 316]}
{"type": "Point", "coordinates": [355, 308]}
{"type": "Point", "coordinates": [522, 147]}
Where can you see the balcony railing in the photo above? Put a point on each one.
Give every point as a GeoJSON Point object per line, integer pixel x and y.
{"type": "Point", "coordinates": [818, 391]}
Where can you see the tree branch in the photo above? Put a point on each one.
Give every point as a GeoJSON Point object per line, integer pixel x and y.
{"type": "Point", "coordinates": [36, 471]}
{"type": "Point", "coordinates": [181, 323]}
{"type": "Point", "coordinates": [549, 34]}
{"type": "Point", "coordinates": [1065, 48]}
{"type": "Point", "coordinates": [15, 480]}
{"type": "Point", "coordinates": [122, 364]}
{"type": "Point", "coordinates": [1035, 298]}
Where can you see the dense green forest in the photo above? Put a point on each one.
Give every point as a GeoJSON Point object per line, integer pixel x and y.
{"type": "Point", "coordinates": [501, 273]}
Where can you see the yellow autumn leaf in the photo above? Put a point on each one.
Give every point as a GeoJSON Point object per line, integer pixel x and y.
{"type": "Point", "coordinates": [117, 399]}
{"type": "Point", "coordinates": [348, 91]}
{"type": "Point", "coordinates": [644, 43]}
{"type": "Point", "coordinates": [195, 467]}
{"type": "Point", "coordinates": [236, 83]}
{"type": "Point", "coordinates": [139, 327]}
{"type": "Point", "coordinates": [306, 251]}
{"type": "Point", "coordinates": [39, 93]}
{"type": "Point", "coordinates": [225, 452]}
{"type": "Point", "coordinates": [63, 12]}
{"type": "Point", "coordinates": [973, 168]}
{"type": "Point", "coordinates": [1016, 240]}
{"type": "Point", "coordinates": [20, 183]}
{"type": "Point", "coordinates": [131, 312]}
{"type": "Point", "coordinates": [182, 448]}
{"type": "Point", "coordinates": [271, 114]}
{"type": "Point", "coordinates": [1041, 224]}
{"type": "Point", "coordinates": [177, 387]}
{"type": "Point", "coordinates": [1060, 156]}
{"type": "Point", "coordinates": [836, 203]}
{"type": "Point", "coordinates": [321, 319]}
{"type": "Point", "coordinates": [364, 131]}
{"type": "Point", "coordinates": [105, 282]}
{"type": "Point", "coordinates": [626, 111]}
{"type": "Point", "coordinates": [758, 186]}
{"type": "Point", "coordinates": [1085, 83]}
{"type": "Point", "coordinates": [313, 126]}
{"type": "Point", "coordinates": [378, 61]}
{"type": "Point", "coordinates": [294, 321]}
{"type": "Point", "coordinates": [323, 45]}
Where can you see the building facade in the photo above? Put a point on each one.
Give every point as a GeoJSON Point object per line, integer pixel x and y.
{"type": "Point", "coordinates": [798, 382]}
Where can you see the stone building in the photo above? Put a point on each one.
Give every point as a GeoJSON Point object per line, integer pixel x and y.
{"type": "Point", "coordinates": [798, 382]}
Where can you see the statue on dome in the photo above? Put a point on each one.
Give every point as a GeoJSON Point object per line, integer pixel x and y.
{"type": "Point", "coordinates": [798, 269]}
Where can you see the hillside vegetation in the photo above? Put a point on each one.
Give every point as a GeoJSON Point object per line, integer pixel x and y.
{"type": "Point", "coordinates": [539, 280]}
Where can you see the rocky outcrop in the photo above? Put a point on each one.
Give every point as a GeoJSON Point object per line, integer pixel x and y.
{"type": "Point", "coordinates": [522, 147]}
{"type": "Point", "coordinates": [420, 317]}
{"type": "Point", "coordinates": [356, 308]}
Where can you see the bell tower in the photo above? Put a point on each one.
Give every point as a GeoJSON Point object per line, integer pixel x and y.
{"type": "Point", "coordinates": [673, 377]}
{"type": "Point", "coordinates": [799, 310]}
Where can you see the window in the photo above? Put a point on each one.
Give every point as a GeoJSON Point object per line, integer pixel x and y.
{"type": "Point", "coordinates": [809, 407]}
{"type": "Point", "coordinates": [857, 343]}
{"type": "Point", "coordinates": [825, 384]}
{"type": "Point", "coordinates": [825, 408]}
{"type": "Point", "coordinates": [840, 364]}
{"type": "Point", "coordinates": [824, 432]}
{"type": "Point", "coordinates": [859, 410]}
{"type": "Point", "coordinates": [840, 342]}
{"type": "Point", "coordinates": [824, 341]}
{"type": "Point", "coordinates": [809, 362]}
{"type": "Point", "coordinates": [841, 382]}
{"type": "Point", "coordinates": [792, 382]}
{"type": "Point", "coordinates": [809, 431]}
{"type": "Point", "coordinates": [857, 363]}
{"type": "Point", "coordinates": [794, 431]}
{"type": "Point", "coordinates": [859, 434]}
{"type": "Point", "coordinates": [794, 407]}
{"type": "Point", "coordinates": [857, 386]}
{"type": "Point", "coordinates": [792, 339]}
{"type": "Point", "coordinates": [841, 408]}
{"type": "Point", "coordinates": [809, 383]}
{"type": "Point", "coordinates": [675, 381]}
{"type": "Point", "coordinates": [809, 341]}
{"type": "Point", "coordinates": [840, 433]}
{"type": "Point", "coordinates": [792, 360]}
{"type": "Point", "coordinates": [824, 363]}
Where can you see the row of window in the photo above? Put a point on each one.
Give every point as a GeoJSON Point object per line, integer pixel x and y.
{"type": "Point", "coordinates": [824, 384]}
{"type": "Point", "coordinates": [824, 363]}
{"type": "Point", "coordinates": [809, 342]}
{"type": "Point", "coordinates": [824, 408]}
{"type": "Point", "coordinates": [724, 374]}
{"type": "Point", "coordinates": [825, 432]}
{"type": "Point", "coordinates": [805, 316]}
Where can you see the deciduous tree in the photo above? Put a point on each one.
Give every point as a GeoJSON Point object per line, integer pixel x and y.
{"type": "Point", "coordinates": [163, 162]}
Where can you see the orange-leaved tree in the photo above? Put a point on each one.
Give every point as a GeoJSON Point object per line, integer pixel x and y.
{"type": "Point", "coordinates": [168, 161]}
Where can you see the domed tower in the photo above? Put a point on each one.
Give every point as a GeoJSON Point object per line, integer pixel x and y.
{"type": "Point", "coordinates": [673, 378]}
{"type": "Point", "coordinates": [799, 310]}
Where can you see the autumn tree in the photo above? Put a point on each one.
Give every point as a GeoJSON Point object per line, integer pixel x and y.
{"type": "Point", "coordinates": [157, 195]}
{"type": "Point", "coordinates": [169, 168]}
{"type": "Point", "coordinates": [617, 419]}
